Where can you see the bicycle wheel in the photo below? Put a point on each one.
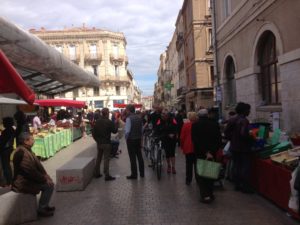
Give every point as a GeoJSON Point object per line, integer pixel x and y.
{"type": "Point", "coordinates": [158, 164]}
{"type": "Point", "coordinates": [146, 148]}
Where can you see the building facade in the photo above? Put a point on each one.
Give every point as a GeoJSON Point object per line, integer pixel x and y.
{"type": "Point", "coordinates": [198, 61]}
{"type": "Point", "coordinates": [101, 52]}
{"type": "Point", "coordinates": [147, 102]}
{"type": "Point", "coordinates": [181, 89]}
{"type": "Point", "coordinates": [258, 53]}
{"type": "Point", "coordinates": [160, 95]}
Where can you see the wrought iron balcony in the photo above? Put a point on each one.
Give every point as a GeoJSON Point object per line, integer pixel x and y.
{"type": "Point", "coordinates": [117, 59]}
{"type": "Point", "coordinates": [93, 58]}
{"type": "Point", "coordinates": [114, 80]}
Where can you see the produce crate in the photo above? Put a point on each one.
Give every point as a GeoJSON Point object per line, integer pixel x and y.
{"type": "Point", "coordinates": [277, 149]}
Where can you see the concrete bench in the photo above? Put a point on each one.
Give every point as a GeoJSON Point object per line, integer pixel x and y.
{"type": "Point", "coordinates": [17, 208]}
{"type": "Point", "coordinates": [75, 174]}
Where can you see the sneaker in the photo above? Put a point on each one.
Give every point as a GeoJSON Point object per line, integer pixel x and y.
{"type": "Point", "coordinates": [131, 177]}
{"type": "Point", "coordinates": [98, 175]}
{"type": "Point", "coordinates": [50, 208]}
{"type": "Point", "coordinates": [206, 200]}
{"type": "Point", "coordinates": [109, 178]}
{"type": "Point", "coordinates": [45, 213]}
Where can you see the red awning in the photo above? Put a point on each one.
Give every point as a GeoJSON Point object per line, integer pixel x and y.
{"type": "Point", "coordinates": [124, 105]}
{"type": "Point", "coordinates": [12, 82]}
{"type": "Point", "coordinates": [60, 102]}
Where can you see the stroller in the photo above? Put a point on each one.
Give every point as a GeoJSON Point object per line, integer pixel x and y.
{"type": "Point", "coordinates": [223, 159]}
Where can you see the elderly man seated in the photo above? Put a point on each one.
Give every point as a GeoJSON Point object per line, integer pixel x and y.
{"type": "Point", "coordinates": [30, 177]}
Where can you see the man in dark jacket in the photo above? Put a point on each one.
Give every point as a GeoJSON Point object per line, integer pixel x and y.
{"type": "Point", "coordinates": [237, 132]}
{"type": "Point", "coordinates": [30, 177]}
{"type": "Point", "coordinates": [133, 135]}
{"type": "Point", "coordinates": [6, 147]}
{"type": "Point", "coordinates": [102, 135]}
{"type": "Point", "coordinates": [206, 137]}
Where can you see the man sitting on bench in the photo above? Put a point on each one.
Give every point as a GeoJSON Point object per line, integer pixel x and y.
{"type": "Point", "coordinates": [30, 177]}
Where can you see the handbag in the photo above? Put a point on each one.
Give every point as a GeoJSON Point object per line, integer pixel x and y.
{"type": "Point", "coordinates": [208, 169]}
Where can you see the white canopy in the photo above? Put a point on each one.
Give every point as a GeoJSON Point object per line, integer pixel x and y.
{"type": "Point", "coordinates": [11, 101]}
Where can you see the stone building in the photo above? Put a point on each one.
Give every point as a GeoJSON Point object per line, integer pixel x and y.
{"type": "Point", "coordinates": [160, 95]}
{"type": "Point", "coordinates": [258, 52]}
{"type": "Point", "coordinates": [171, 74]}
{"type": "Point", "coordinates": [147, 102]}
{"type": "Point", "coordinates": [198, 61]}
{"type": "Point", "coordinates": [181, 89]}
{"type": "Point", "coordinates": [101, 52]}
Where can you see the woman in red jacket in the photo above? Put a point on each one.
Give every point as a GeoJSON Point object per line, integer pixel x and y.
{"type": "Point", "coordinates": [187, 147]}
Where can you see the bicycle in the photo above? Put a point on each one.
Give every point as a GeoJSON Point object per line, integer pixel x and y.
{"type": "Point", "coordinates": [159, 157]}
{"type": "Point", "coordinates": [148, 143]}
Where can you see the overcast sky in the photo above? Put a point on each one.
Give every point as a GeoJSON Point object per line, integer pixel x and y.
{"type": "Point", "coordinates": [148, 25]}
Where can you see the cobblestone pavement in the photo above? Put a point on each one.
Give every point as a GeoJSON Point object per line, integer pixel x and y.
{"type": "Point", "coordinates": [149, 201]}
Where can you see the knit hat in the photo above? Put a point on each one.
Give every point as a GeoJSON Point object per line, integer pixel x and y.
{"type": "Point", "coordinates": [203, 112]}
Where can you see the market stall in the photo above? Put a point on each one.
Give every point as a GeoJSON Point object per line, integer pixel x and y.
{"type": "Point", "coordinates": [272, 167]}
{"type": "Point", "coordinates": [47, 144]}
{"type": "Point", "coordinates": [76, 130]}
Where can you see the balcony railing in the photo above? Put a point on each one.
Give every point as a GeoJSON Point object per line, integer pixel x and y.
{"type": "Point", "coordinates": [110, 80]}
{"type": "Point", "coordinates": [117, 59]}
{"type": "Point", "coordinates": [93, 58]}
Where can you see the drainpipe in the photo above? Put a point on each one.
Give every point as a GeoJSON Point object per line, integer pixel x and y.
{"type": "Point", "coordinates": [217, 85]}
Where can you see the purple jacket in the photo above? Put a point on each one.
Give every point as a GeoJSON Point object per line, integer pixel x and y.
{"type": "Point", "coordinates": [237, 132]}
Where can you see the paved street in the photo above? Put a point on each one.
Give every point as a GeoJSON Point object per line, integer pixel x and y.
{"type": "Point", "coordinates": [148, 201]}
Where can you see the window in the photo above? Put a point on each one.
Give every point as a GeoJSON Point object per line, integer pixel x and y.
{"type": "Point", "coordinates": [118, 90]}
{"type": "Point", "coordinates": [270, 82]}
{"type": "Point", "coordinates": [209, 40]}
{"type": "Point", "coordinates": [119, 101]}
{"type": "Point", "coordinates": [93, 51]}
{"type": "Point", "coordinates": [95, 69]}
{"type": "Point", "coordinates": [212, 78]}
{"type": "Point", "coordinates": [208, 4]}
{"type": "Point", "coordinates": [96, 91]}
{"type": "Point", "coordinates": [72, 52]}
{"type": "Point", "coordinates": [98, 104]}
{"type": "Point", "coordinates": [230, 87]}
{"type": "Point", "coordinates": [115, 50]}
{"type": "Point", "coordinates": [208, 7]}
{"type": "Point", "coordinates": [58, 48]}
{"type": "Point", "coordinates": [116, 70]}
{"type": "Point", "coordinates": [227, 8]}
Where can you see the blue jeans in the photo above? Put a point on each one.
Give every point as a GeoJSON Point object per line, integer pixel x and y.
{"type": "Point", "coordinates": [45, 196]}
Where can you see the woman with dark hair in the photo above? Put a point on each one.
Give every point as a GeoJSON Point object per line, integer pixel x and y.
{"type": "Point", "coordinates": [168, 130]}
{"type": "Point", "coordinates": [22, 124]}
{"type": "Point", "coordinates": [6, 147]}
{"type": "Point", "coordinates": [237, 132]}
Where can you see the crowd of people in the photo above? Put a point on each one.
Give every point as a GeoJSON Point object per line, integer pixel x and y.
{"type": "Point", "coordinates": [198, 134]}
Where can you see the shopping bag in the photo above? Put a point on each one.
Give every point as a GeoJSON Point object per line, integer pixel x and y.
{"type": "Point", "coordinates": [208, 169]}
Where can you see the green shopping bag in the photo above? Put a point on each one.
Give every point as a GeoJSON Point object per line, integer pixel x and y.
{"type": "Point", "coordinates": [208, 169]}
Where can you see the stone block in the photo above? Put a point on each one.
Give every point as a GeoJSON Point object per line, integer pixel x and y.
{"type": "Point", "coordinates": [17, 208]}
{"type": "Point", "coordinates": [75, 174]}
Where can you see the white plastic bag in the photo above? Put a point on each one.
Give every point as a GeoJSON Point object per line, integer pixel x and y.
{"type": "Point", "coordinates": [294, 200]}
{"type": "Point", "coordinates": [226, 149]}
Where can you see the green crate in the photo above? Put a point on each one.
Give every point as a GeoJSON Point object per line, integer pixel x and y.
{"type": "Point", "coordinates": [277, 149]}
